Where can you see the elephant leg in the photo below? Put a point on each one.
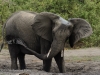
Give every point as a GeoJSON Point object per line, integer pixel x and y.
{"type": "Point", "coordinates": [60, 62]}
{"type": "Point", "coordinates": [45, 46]}
{"type": "Point", "coordinates": [21, 57]}
{"type": "Point", "coordinates": [47, 65]}
{"type": "Point", "coordinates": [13, 49]}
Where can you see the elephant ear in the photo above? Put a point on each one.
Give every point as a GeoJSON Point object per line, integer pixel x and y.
{"type": "Point", "coordinates": [42, 25]}
{"type": "Point", "coordinates": [81, 29]}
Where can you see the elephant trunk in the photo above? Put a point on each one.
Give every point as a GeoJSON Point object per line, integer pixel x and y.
{"type": "Point", "coordinates": [54, 50]}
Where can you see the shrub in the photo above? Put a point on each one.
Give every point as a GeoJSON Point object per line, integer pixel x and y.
{"type": "Point", "coordinates": [87, 9]}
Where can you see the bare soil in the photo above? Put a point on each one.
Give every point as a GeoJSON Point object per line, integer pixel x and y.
{"type": "Point", "coordinates": [78, 62]}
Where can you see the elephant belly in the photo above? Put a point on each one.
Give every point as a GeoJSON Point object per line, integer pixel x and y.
{"type": "Point", "coordinates": [25, 46]}
{"type": "Point", "coordinates": [26, 51]}
{"type": "Point", "coordinates": [29, 38]}
{"type": "Point", "coordinates": [34, 44]}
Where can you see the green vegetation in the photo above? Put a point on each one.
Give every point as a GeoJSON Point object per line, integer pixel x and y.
{"type": "Point", "coordinates": [87, 9]}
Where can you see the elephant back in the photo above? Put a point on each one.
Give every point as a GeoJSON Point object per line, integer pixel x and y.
{"type": "Point", "coordinates": [19, 26]}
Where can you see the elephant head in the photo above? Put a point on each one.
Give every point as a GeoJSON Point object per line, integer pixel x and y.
{"type": "Point", "coordinates": [57, 30]}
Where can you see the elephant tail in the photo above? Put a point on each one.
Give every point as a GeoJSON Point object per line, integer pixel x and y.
{"type": "Point", "coordinates": [3, 34]}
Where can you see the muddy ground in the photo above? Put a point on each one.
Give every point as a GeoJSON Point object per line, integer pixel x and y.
{"type": "Point", "coordinates": [78, 62]}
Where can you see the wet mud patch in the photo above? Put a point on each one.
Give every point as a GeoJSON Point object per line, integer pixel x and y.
{"type": "Point", "coordinates": [34, 66]}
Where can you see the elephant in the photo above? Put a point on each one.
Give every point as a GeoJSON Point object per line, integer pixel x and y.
{"type": "Point", "coordinates": [44, 35]}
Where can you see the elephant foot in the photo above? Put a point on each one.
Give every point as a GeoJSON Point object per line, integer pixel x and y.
{"type": "Point", "coordinates": [22, 68]}
{"type": "Point", "coordinates": [14, 67]}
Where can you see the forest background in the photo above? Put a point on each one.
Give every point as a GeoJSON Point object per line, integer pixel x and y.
{"type": "Point", "coordinates": [86, 9]}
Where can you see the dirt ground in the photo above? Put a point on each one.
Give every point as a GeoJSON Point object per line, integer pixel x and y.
{"type": "Point", "coordinates": [78, 62]}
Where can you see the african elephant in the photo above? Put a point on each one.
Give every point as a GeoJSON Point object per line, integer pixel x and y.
{"type": "Point", "coordinates": [43, 35]}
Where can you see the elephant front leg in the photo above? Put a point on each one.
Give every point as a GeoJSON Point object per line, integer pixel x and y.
{"type": "Point", "coordinates": [59, 58]}
{"type": "Point", "coordinates": [45, 46]}
{"type": "Point", "coordinates": [47, 65]}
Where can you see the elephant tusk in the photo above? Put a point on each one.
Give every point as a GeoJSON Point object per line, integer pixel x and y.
{"type": "Point", "coordinates": [62, 53]}
{"type": "Point", "coordinates": [48, 53]}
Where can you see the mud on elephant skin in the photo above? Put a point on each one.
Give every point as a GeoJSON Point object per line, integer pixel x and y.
{"type": "Point", "coordinates": [43, 35]}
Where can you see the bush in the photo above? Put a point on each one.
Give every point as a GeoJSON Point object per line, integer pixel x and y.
{"type": "Point", "coordinates": [87, 9]}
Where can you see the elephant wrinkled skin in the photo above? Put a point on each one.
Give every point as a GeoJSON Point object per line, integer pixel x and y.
{"type": "Point", "coordinates": [43, 35]}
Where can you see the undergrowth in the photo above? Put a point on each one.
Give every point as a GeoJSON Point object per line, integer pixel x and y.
{"type": "Point", "coordinates": [86, 9]}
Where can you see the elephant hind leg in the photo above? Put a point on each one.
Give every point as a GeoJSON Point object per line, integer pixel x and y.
{"type": "Point", "coordinates": [60, 62]}
{"type": "Point", "coordinates": [21, 57]}
{"type": "Point", "coordinates": [14, 50]}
